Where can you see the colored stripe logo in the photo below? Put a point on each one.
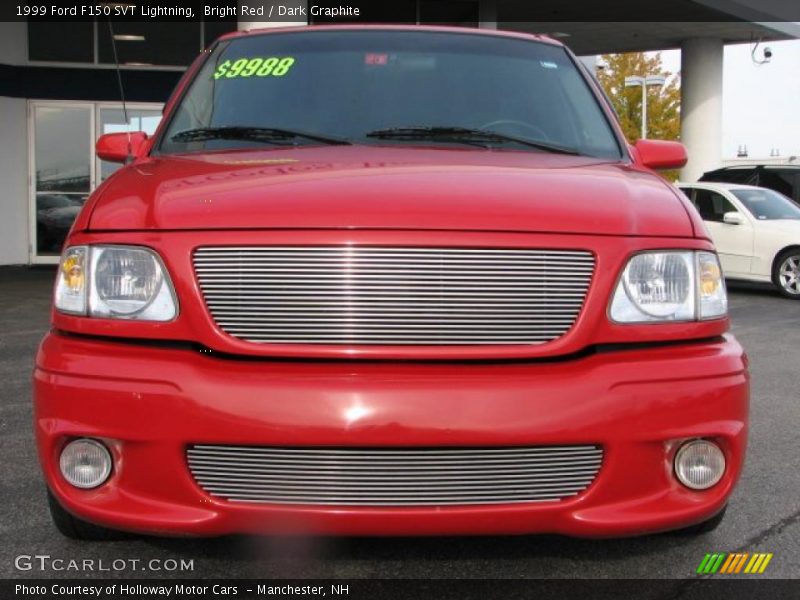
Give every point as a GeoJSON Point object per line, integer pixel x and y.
{"type": "Point", "coordinates": [731, 563]}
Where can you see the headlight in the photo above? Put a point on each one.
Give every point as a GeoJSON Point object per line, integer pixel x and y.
{"type": "Point", "coordinates": [129, 283]}
{"type": "Point", "coordinates": [124, 282]}
{"type": "Point", "coordinates": [670, 286]}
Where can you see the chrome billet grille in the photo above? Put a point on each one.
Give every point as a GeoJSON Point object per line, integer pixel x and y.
{"type": "Point", "coordinates": [394, 477]}
{"type": "Point", "coordinates": [378, 295]}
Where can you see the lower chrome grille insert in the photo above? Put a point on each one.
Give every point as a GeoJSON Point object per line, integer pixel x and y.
{"type": "Point", "coordinates": [394, 476]}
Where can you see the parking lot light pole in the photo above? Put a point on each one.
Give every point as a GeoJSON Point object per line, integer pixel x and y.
{"type": "Point", "coordinates": [635, 80]}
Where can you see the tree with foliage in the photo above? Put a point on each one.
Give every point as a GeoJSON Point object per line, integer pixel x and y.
{"type": "Point", "coordinates": [663, 103]}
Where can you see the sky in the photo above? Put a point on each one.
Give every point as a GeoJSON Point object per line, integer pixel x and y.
{"type": "Point", "coordinates": [760, 103]}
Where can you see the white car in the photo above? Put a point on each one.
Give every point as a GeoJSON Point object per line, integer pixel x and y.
{"type": "Point", "coordinates": [756, 231]}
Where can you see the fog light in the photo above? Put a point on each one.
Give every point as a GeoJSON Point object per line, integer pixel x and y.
{"type": "Point", "coordinates": [85, 463]}
{"type": "Point", "coordinates": [699, 464]}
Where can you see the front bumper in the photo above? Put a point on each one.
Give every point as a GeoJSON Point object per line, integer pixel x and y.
{"type": "Point", "coordinates": [150, 403]}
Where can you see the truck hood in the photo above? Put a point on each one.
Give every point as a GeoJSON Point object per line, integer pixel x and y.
{"type": "Point", "coordinates": [374, 187]}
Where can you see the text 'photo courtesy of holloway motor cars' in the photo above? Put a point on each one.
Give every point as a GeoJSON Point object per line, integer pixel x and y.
{"type": "Point", "coordinates": [389, 280]}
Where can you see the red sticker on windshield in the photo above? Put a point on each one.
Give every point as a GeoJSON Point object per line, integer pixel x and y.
{"type": "Point", "coordinates": [372, 58]}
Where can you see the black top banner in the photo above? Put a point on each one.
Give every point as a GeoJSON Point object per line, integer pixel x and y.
{"type": "Point", "coordinates": [405, 11]}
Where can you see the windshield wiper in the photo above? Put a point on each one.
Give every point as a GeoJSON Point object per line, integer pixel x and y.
{"type": "Point", "coordinates": [258, 134]}
{"type": "Point", "coordinates": [464, 134]}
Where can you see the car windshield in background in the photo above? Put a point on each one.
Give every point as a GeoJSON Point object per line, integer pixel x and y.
{"type": "Point", "coordinates": [390, 87]}
{"type": "Point", "coordinates": [767, 205]}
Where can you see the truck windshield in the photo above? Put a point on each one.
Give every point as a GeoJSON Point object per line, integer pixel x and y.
{"type": "Point", "coordinates": [390, 87]}
{"type": "Point", "coordinates": [766, 205]}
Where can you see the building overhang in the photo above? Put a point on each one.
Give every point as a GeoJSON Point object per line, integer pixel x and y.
{"type": "Point", "coordinates": [633, 26]}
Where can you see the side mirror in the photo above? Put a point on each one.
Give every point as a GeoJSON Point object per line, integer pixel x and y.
{"type": "Point", "coordinates": [733, 218]}
{"type": "Point", "coordinates": [114, 147]}
{"type": "Point", "coordinates": [661, 154]}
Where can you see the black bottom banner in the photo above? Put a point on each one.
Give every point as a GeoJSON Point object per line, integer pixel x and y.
{"type": "Point", "coordinates": [415, 589]}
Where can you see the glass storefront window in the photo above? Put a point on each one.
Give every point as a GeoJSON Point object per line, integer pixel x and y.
{"type": "Point", "coordinates": [157, 43]}
{"type": "Point", "coordinates": [46, 41]}
{"type": "Point", "coordinates": [66, 170]}
{"type": "Point", "coordinates": [62, 154]}
{"type": "Point", "coordinates": [139, 43]}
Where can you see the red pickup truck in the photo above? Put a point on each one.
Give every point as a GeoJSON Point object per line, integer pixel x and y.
{"type": "Point", "coordinates": [389, 280]}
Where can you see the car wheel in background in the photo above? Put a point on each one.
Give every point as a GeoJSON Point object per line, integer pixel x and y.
{"type": "Point", "coordinates": [786, 273]}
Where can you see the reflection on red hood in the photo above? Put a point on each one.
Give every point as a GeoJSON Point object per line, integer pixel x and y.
{"type": "Point", "coordinates": [389, 188]}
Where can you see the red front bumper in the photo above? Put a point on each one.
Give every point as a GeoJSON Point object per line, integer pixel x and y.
{"type": "Point", "coordinates": [149, 404]}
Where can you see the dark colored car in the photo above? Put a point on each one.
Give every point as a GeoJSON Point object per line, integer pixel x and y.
{"type": "Point", "coordinates": [55, 214]}
{"type": "Point", "coordinates": [781, 178]}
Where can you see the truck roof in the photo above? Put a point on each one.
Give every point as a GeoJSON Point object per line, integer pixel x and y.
{"type": "Point", "coordinates": [429, 28]}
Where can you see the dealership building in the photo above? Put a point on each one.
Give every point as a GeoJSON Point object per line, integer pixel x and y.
{"type": "Point", "coordinates": [59, 89]}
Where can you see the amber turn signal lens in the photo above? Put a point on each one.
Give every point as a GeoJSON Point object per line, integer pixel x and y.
{"type": "Point", "coordinates": [709, 278]}
{"type": "Point", "coordinates": [70, 295]}
{"type": "Point", "coordinates": [73, 273]}
{"type": "Point", "coordinates": [713, 298]}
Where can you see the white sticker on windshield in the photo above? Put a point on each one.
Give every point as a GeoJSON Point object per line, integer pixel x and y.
{"type": "Point", "coordinates": [548, 65]}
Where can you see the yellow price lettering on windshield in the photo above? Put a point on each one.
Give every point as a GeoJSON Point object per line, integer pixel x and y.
{"type": "Point", "coordinates": [271, 66]}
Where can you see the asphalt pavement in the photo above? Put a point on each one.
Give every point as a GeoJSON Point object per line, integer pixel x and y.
{"type": "Point", "coordinates": [763, 516]}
